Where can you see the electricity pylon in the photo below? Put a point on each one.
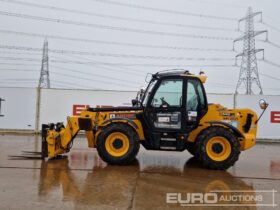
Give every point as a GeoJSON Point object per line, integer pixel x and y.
{"type": "Point", "coordinates": [248, 74]}
{"type": "Point", "coordinates": [44, 81]}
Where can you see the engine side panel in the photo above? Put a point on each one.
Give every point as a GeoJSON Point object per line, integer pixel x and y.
{"type": "Point", "coordinates": [242, 119]}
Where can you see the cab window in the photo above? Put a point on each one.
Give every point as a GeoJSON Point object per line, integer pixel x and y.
{"type": "Point", "coordinates": [195, 96]}
{"type": "Point", "coordinates": [168, 94]}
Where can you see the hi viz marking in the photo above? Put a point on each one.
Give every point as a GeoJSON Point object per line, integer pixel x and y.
{"type": "Point", "coordinates": [275, 117]}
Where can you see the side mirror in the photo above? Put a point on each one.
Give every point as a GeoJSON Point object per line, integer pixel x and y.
{"type": "Point", "coordinates": [148, 78]}
{"type": "Point", "coordinates": [263, 104]}
{"type": "Point", "coordinates": [134, 102]}
{"type": "Point", "coordinates": [142, 90]}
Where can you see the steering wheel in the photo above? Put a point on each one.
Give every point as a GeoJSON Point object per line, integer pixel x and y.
{"type": "Point", "coordinates": [164, 103]}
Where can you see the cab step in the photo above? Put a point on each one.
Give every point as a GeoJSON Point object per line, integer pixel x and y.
{"type": "Point", "coordinates": [168, 148]}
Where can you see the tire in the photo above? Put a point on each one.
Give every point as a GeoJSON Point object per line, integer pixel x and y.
{"type": "Point", "coordinates": [118, 144]}
{"type": "Point", "coordinates": [217, 148]}
{"type": "Point", "coordinates": [190, 146]}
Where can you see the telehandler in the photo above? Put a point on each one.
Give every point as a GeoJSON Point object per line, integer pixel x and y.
{"type": "Point", "coordinates": [171, 114]}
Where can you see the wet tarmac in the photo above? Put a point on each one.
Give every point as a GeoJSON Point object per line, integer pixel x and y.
{"type": "Point", "coordinates": [157, 180]}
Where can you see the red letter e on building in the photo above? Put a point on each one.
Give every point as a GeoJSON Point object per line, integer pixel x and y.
{"type": "Point", "coordinates": [275, 117]}
{"type": "Point", "coordinates": [77, 109]}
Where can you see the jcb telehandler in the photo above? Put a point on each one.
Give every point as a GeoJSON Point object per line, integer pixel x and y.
{"type": "Point", "coordinates": [172, 113]}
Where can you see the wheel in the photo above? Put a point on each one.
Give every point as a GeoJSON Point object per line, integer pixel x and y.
{"type": "Point", "coordinates": [118, 144]}
{"type": "Point", "coordinates": [190, 147]}
{"type": "Point", "coordinates": [217, 148]}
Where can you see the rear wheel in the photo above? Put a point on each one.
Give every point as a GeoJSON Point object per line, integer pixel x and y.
{"type": "Point", "coordinates": [217, 148]}
{"type": "Point", "coordinates": [118, 144]}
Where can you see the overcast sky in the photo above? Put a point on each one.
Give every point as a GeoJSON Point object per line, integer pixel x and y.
{"type": "Point", "coordinates": [125, 41]}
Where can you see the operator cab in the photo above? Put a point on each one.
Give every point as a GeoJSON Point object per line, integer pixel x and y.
{"type": "Point", "coordinates": [173, 104]}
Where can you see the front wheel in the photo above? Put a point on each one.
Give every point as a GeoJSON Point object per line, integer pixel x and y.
{"type": "Point", "coordinates": [118, 144]}
{"type": "Point", "coordinates": [217, 148]}
{"type": "Point", "coordinates": [190, 146]}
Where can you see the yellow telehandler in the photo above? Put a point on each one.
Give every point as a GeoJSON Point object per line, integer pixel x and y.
{"type": "Point", "coordinates": [171, 114]}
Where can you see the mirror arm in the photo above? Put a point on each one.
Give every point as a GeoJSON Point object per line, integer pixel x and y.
{"type": "Point", "coordinates": [261, 115]}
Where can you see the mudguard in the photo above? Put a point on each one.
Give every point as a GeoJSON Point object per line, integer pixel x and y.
{"type": "Point", "coordinates": [234, 129]}
{"type": "Point", "coordinates": [124, 120]}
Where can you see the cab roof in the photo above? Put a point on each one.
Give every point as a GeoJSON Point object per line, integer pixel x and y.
{"type": "Point", "coordinates": [179, 73]}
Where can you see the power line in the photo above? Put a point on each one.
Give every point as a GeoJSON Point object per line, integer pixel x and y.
{"type": "Point", "coordinates": [74, 84]}
{"type": "Point", "coordinates": [20, 53]}
{"type": "Point", "coordinates": [269, 76]}
{"type": "Point", "coordinates": [271, 63]}
{"type": "Point", "coordinates": [91, 79]}
{"type": "Point", "coordinates": [137, 64]}
{"type": "Point", "coordinates": [93, 74]}
{"type": "Point", "coordinates": [102, 54]}
{"type": "Point", "coordinates": [116, 28]}
{"type": "Point", "coordinates": [113, 64]}
{"type": "Point", "coordinates": [68, 75]}
{"type": "Point", "coordinates": [272, 19]}
{"type": "Point", "coordinates": [110, 68]}
{"type": "Point", "coordinates": [18, 64]}
{"type": "Point", "coordinates": [19, 70]}
{"type": "Point", "coordinates": [115, 17]}
{"type": "Point", "coordinates": [221, 84]}
{"type": "Point", "coordinates": [165, 10]}
{"type": "Point", "coordinates": [140, 56]}
{"type": "Point", "coordinates": [107, 42]}
{"type": "Point", "coordinates": [18, 79]}
{"type": "Point", "coordinates": [4, 84]}
{"type": "Point", "coordinates": [114, 69]}
{"type": "Point", "coordinates": [60, 86]}
{"type": "Point", "coordinates": [270, 43]}
{"type": "Point", "coordinates": [273, 89]}
{"type": "Point", "coordinates": [271, 26]}
{"type": "Point", "coordinates": [75, 62]}
{"type": "Point", "coordinates": [216, 3]}
{"type": "Point", "coordinates": [88, 53]}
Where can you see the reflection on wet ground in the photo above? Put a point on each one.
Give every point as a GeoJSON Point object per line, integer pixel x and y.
{"type": "Point", "coordinates": [82, 180]}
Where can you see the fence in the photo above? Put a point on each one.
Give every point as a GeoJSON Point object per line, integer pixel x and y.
{"type": "Point", "coordinates": [25, 109]}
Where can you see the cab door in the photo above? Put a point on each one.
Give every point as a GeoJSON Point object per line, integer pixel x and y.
{"type": "Point", "coordinates": [166, 113]}
{"type": "Point", "coordinates": [196, 103]}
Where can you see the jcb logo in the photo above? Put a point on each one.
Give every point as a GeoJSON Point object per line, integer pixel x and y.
{"type": "Point", "coordinates": [275, 117]}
